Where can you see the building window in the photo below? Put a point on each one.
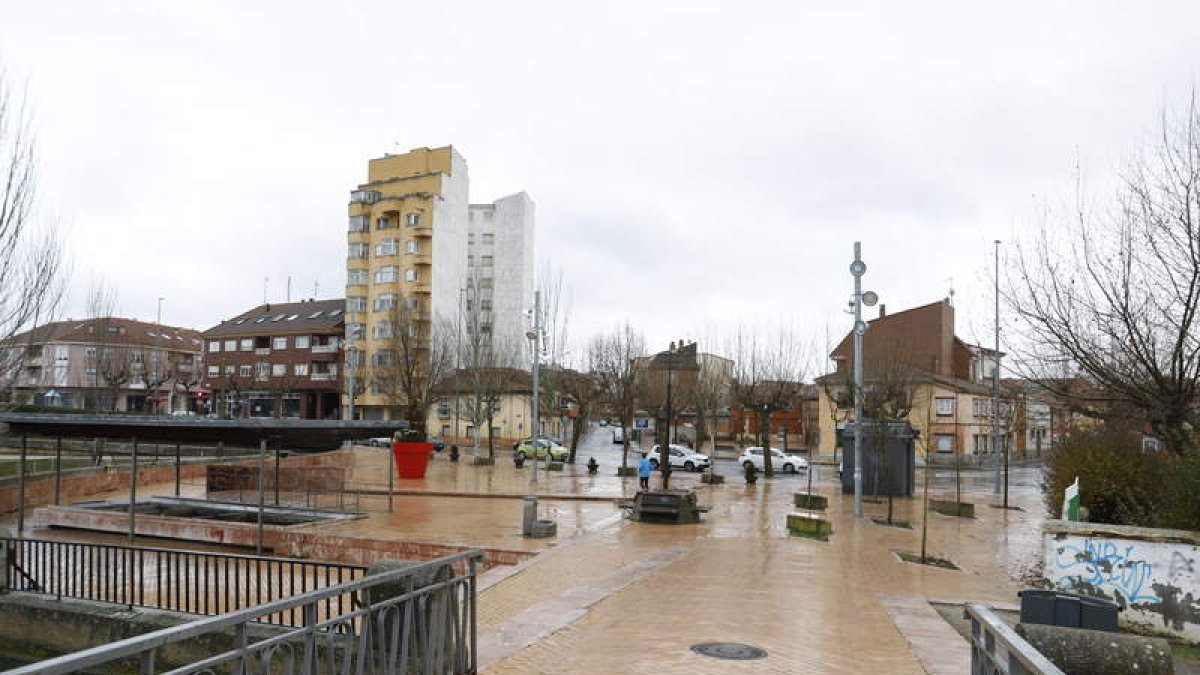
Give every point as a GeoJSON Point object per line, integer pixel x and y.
{"type": "Point", "coordinates": [383, 358]}
{"type": "Point", "coordinates": [229, 369]}
{"type": "Point", "coordinates": [387, 247]}
{"type": "Point", "coordinates": [411, 303]}
{"type": "Point", "coordinates": [487, 261]}
{"type": "Point", "coordinates": [944, 405]}
{"type": "Point", "coordinates": [414, 219]}
{"type": "Point", "coordinates": [443, 409]}
{"type": "Point", "coordinates": [384, 302]}
{"type": "Point", "coordinates": [214, 346]}
{"type": "Point", "coordinates": [261, 370]}
{"type": "Point", "coordinates": [356, 277]}
{"type": "Point", "coordinates": [471, 238]}
{"type": "Point", "coordinates": [358, 250]}
{"type": "Point", "coordinates": [355, 331]}
{"type": "Point", "coordinates": [386, 274]}
{"type": "Point", "coordinates": [231, 345]}
{"type": "Point", "coordinates": [214, 371]}
{"type": "Point", "coordinates": [358, 223]}
{"type": "Point", "coordinates": [247, 344]}
{"type": "Point", "coordinates": [279, 342]}
{"type": "Point", "coordinates": [244, 370]}
{"type": "Point", "coordinates": [485, 284]}
{"type": "Point", "coordinates": [302, 342]}
{"type": "Point", "coordinates": [485, 305]}
{"type": "Point", "coordinates": [356, 304]}
{"type": "Point", "coordinates": [411, 246]}
{"type": "Point", "coordinates": [300, 369]}
{"type": "Point", "coordinates": [364, 197]}
{"type": "Point", "coordinates": [945, 442]}
{"type": "Point", "coordinates": [383, 329]}
{"type": "Point", "coordinates": [410, 275]}
{"type": "Point", "coordinates": [383, 223]}
{"type": "Point", "coordinates": [487, 238]}
{"type": "Point", "coordinates": [470, 260]}
{"type": "Point", "coordinates": [278, 369]}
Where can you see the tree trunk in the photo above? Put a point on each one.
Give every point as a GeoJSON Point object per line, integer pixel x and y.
{"type": "Point", "coordinates": [764, 434]}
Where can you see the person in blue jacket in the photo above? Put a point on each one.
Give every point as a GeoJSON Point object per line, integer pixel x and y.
{"type": "Point", "coordinates": [644, 472]}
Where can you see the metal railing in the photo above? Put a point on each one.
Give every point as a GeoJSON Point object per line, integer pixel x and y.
{"type": "Point", "coordinates": [996, 649]}
{"type": "Point", "coordinates": [194, 582]}
{"type": "Point", "coordinates": [420, 619]}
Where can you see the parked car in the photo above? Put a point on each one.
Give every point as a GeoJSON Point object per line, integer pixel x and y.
{"type": "Point", "coordinates": [544, 437]}
{"type": "Point", "coordinates": [603, 423]}
{"type": "Point", "coordinates": [545, 447]}
{"type": "Point", "coordinates": [681, 457]}
{"type": "Point", "coordinates": [379, 442]}
{"type": "Point", "coordinates": [780, 461]}
{"type": "Point", "coordinates": [182, 413]}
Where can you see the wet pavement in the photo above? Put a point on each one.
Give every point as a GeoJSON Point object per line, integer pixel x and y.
{"type": "Point", "coordinates": [615, 596]}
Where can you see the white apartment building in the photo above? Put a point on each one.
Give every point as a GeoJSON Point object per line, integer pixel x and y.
{"type": "Point", "coordinates": [500, 255]}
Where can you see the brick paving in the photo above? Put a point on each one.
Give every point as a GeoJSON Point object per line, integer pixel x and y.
{"type": "Point", "coordinates": [614, 596]}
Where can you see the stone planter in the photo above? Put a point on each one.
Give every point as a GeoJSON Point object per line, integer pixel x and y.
{"type": "Point", "coordinates": [947, 507]}
{"type": "Point", "coordinates": [712, 478]}
{"type": "Point", "coordinates": [554, 466]}
{"type": "Point", "coordinates": [804, 500]}
{"type": "Point", "coordinates": [626, 471]}
{"type": "Point", "coordinates": [484, 461]}
{"type": "Point", "coordinates": [808, 525]}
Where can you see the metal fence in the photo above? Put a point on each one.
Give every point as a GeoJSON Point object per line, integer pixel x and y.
{"type": "Point", "coordinates": [421, 619]}
{"type": "Point", "coordinates": [996, 649]}
{"type": "Point", "coordinates": [195, 582]}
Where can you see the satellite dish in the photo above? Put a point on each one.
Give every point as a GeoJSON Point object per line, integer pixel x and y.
{"type": "Point", "coordinates": [870, 298]}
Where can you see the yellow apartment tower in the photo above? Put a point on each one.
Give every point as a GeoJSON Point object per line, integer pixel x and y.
{"type": "Point", "coordinates": [407, 252]}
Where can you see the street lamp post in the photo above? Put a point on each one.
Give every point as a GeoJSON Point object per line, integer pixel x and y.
{"type": "Point", "coordinates": [858, 268]}
{"type": "Point", "coordinates": [534, 336]}
{"type": "Point", "coordinates": [1001, 463]}
{"type": "Point", "coordinates": [664, 448]}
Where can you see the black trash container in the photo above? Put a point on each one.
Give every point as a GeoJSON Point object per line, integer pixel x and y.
{"type": "Point", "coordinates": [1068, 610]}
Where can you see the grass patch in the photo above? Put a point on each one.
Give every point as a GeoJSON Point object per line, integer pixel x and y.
{"type": "Point", "coordinates": [931, 560]}
{"type": "Point", "coordinates": [1186, 652]}
{"type": "Point", "coordinates": [895, 523]}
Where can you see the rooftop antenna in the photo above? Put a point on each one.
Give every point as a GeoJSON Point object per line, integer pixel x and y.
{"type": "Point", "coordinates": [316, 287]}
{"type": "Point", "coordinates": [951, 280]}
{"type": "Point", "coordinates": [289, 289]}
{"type": "Point", "coordinates": [266, 281]}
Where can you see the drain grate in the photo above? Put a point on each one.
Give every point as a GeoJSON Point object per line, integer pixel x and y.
{"type": "Point", "coordinates": [729, 650]}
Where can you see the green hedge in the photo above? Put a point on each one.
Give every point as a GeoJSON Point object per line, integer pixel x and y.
{"type": "Point", "coordinates": [1121, 484]}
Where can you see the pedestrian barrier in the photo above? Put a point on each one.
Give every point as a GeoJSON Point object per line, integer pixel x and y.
{"type": "Point", "coordinates": [996, 649]}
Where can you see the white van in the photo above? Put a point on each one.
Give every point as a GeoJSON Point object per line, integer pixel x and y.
{"type": "Point", "coordinates": [618, 434]}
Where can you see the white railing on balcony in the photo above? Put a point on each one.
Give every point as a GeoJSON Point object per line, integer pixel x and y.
{"type": "Point", "coordinates": [324, 349]}
{"type": "Point", "coordinates": [324, 377]}
{"type": "Point", "coordinates": [262, 351]}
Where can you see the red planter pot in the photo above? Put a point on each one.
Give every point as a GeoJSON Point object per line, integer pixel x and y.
{"type": "Point", "coordinates": [411, 458]}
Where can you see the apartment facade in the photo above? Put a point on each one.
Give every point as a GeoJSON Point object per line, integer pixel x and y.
{"type": "Point", "coordinates": [947, 382]}
{"type": "Point", "coordinates": [500, 258]}
{"type": "Point", "coordinates": [406, 260]}
{"type": "Point", "coordinates": [277, 360]}
{"type": "Point", "coordinates": [107, 364]}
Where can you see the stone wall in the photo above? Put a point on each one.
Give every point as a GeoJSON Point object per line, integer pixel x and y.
{"type": "Point", "coordinates": [1150, 573]}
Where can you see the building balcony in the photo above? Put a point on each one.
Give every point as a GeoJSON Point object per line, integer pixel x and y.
{"type": "Point", "coordinates": [323, 377]}
{"type": "Point", "coordinates": [262, 351]}
{"type": "Point", "coordinates": [364, 196]}
{"type": "Point", "coordinates": [422, 287]}
{"type": "Point", "coordinates": [423, 231]}
{"type": "Point", "coordinates": [324, 349]}
{"type": "Point", "coordinates": [422, 259]}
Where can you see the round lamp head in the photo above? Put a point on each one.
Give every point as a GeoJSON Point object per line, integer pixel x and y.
{"type": "Point", "coordinates": [870, 298]}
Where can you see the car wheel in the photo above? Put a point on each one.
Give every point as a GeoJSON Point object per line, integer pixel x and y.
{"type": "Point", "coordinates": [788, 468]}
{"type": "Point", "coordinates": [521, 454]}
{"type": "Point", "coordinates": [747, 464]}
{"type": "Point", "coordinates": [689, 465]}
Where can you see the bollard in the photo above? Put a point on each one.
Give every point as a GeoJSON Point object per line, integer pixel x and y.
{"type": "Point", "coordinates": [529, 516]}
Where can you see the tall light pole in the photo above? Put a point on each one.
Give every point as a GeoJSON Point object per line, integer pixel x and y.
{"type": "Point", "coordinates": [996, 382]}
{"type": "Point", "coordinates": [534, 336]}
{"type": "Point", "coordinates": [664, 447]}
{"type": "Point", "coordinates": [858, 268]}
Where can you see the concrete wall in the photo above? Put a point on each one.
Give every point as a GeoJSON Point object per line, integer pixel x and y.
{"type": "Point", "coordinates": [1151, 573]}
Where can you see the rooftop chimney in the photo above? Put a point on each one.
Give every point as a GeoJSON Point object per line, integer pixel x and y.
{"type": "Point", "coordinates": [882, 310]}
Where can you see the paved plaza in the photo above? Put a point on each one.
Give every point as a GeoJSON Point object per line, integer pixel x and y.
{"type": "Point", "coordinates": [615, 596]}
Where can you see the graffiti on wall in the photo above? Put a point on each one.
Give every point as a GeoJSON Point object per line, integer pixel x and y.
{"type": "Point", "coordinates": [1104, 568]}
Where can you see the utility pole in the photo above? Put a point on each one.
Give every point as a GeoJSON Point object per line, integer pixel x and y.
{"type": "Point", "coordinates": [858, 268]}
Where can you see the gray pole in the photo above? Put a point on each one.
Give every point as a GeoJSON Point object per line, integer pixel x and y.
{"type": "Point", "coordinates": [262, 469]}
{"type": "Point", "coordinates": [996, 377]}
{"type": "Point", "coordinates": [535, 336]}
{"type": "Point", "coordinates": [858, 268]}
{"type": "Point", "coordinates": [133, 468]}
{"type": "Point", "coordinates": [21, 486]}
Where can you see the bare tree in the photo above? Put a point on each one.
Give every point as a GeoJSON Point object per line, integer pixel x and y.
{"type": "Point", "coordinates": [416, 354]}
{"type": "Point", "coordinates": [767, 376]}
{"type": "Point", "coordinates": [614, 364]}
{"type": "Point", "coordinates": [32, 266]}
{"type": "Point", "coordinates": [1115, 295]}
{"type": "Point", "coordinates": [188, 375]}
{"type": "Point", "coordinates": [153, 370]}
{"type": "Point", "coordinates": [584, 390]}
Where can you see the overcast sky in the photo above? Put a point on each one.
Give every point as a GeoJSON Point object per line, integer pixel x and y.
{"type": "Point", "coordinates": [696, 166]}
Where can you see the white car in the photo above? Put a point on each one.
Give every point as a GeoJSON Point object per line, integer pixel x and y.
{"type": "Point", "coordinates": [681, 457]}
{"type": "Point", "coordinates": [618, 435]}
{"type": "Point", "coordinates": [779, 461]}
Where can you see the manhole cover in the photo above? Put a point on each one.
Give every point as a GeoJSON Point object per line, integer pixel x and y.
{"type": "Point", "coordinates": [729, 650]}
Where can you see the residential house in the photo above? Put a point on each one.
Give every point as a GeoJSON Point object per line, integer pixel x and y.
{"type": "Point", "coordinates": [277, 360]}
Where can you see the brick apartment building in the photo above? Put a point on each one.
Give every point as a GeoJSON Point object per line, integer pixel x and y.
{"type": "Point", "coordinates": [277, 360]}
